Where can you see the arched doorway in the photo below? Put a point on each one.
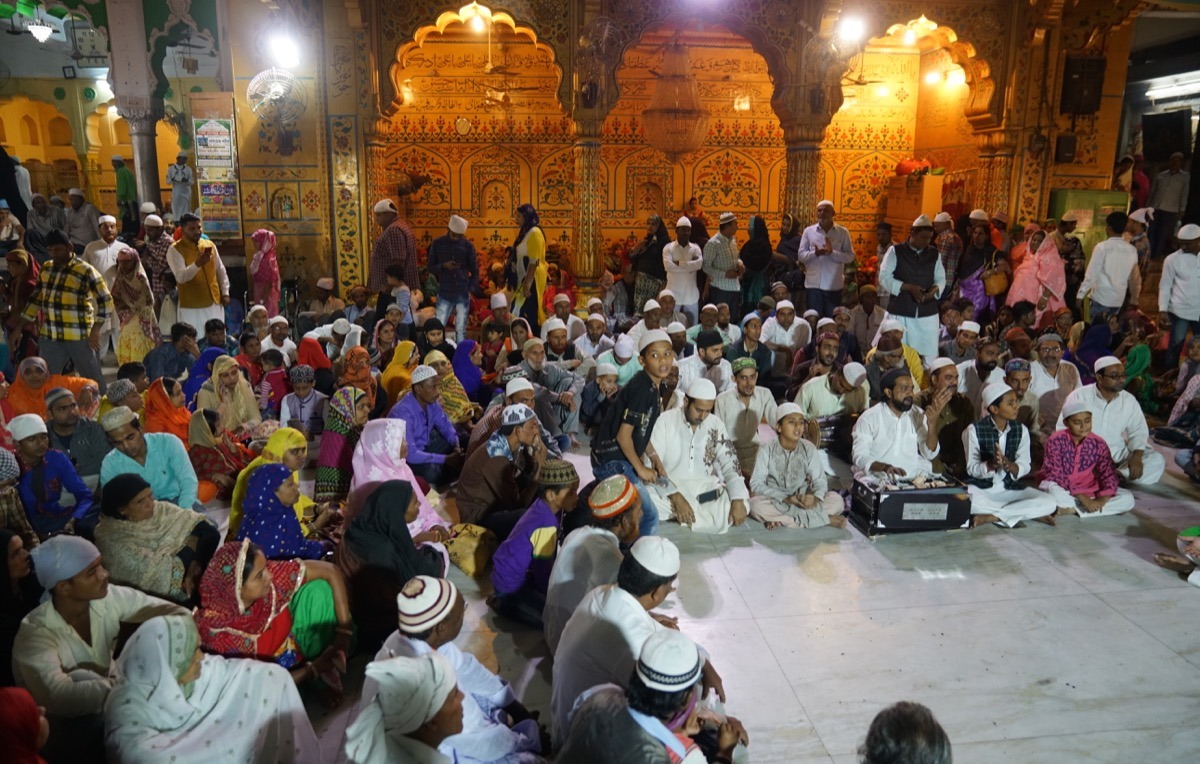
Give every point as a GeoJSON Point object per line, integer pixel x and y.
{"type": "Point", "coordinates": [42, 137]}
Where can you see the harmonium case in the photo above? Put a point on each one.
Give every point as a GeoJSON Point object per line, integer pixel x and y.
{"type": "Point", "coordinates": [882, 508]}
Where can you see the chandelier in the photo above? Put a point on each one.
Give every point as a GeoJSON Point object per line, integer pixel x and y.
{"type": "Point", "coordinates": [676, 122]}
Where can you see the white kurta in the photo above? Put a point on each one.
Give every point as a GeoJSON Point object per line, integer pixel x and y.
{"type": "Point", "coordinates": [183, 273]}
{"type": "Point", "coordinates": [1052, 391]}
{"type": "Point", "coordinates": [1123, 426]}
{"type": "Point", "coordinates": [1011, 506]}
{"type": "Point", "coordinates": [899, 440]}
{"type": "Point", "coordinates": [971, 384]}
{"type": "Point", "coordinates": [589, 557]}
{"type": "Point", "coordinates": [103, 257]}
{"type": "Point", "coordinates": [181, 178]}
{"type": "Point", "coordinates": [681, 265]}
{"type": "Point", "coordinates": [693, 367]}
{"type": "Point", "coordinates": [742, 418]}
{"type": "Point", "coordinates": [816, 399]}
{"type": "Point", "coordinates": [796, 336]}
{"type": "Point", "coordinates": [1117, 504]}
{"type": "Point", "coordinates": [698, 460]}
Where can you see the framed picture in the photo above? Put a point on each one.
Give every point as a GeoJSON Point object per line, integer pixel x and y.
{"type": "Point", "coordinates": [68, 72]}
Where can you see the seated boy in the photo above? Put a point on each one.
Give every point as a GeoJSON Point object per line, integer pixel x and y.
{"type": "Point", "coordinates": [1079, 473]}
{"type": "Point", "coordinates": [597, 397]}
{"type": "Point", "coordinates": [788, 486]}
{"type": "Point", "coordinates": [274, 385]}
{"type": "Point", "coordinates": [303, 409]}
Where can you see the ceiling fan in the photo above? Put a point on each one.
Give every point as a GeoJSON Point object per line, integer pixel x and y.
{"type": "Point", "coordinates": [861, 79]}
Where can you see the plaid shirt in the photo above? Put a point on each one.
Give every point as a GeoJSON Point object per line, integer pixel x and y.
{"type": "Point", "coordinates": [71, 298]}
{"type": "Point", "coordinates": [396, 245]}
{"type": "Point", "coordinates": [950, 247]}
{"type": "Point", "coordinates": [154, 260]}
{"type": "Point", "coordinates": [721, 255]}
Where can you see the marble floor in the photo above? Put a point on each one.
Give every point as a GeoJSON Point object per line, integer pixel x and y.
{"type": "Point", "coordinates": [1036, 645]}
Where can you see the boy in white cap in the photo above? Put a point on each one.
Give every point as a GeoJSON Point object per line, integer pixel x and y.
{"type": "Point", "coordinates": [498, 303]}
{"type": "Point", "coordinates": [1179, 290]}
{"type": "Point", "coordinates": [722, 265]}
{"type": "Point", "coordinates": [48, 473]}
{"type": "Point", "coordinates": [704, 489]}
{"type": "Point", "coordinates": [913, 275]}
{"type": "Point", "coordinates": [181, 178]}
{"type": "Point", "coordinates": [682, 259]}
{"type": "Point", "coordinates": [997, 458]}
{"type": "Point", "coordinates": [455, 264]}
{"type": "Point", "coordinates": [623, 356]}
{"type": "Point", "coordinates": [962, 347]}
{"type": "Point", "coordinates": [669, 308]}
{"type": "Point", "coordinates": [788, 483]}
{"type": "Point", "coordinates": [1078, 470]}
{"type": "Point", "coordinates": [1118, 419]}
{"type": "Point", "coordinates": [825, 248]}
{"type": "Point", "coordinates": [597, 397]}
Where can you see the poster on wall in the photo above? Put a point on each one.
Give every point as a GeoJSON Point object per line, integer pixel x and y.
{"type": "Point", "coordinates": [214, 132]}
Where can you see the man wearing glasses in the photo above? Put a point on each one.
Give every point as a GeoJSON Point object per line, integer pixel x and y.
{"type": "Point", "coordinates": [1118, 419]}
{"type": "Point", "coordinates": [1052, 380]}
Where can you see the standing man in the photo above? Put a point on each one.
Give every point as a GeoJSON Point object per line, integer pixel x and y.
{"type": "Point", "coordinates": [1139, 189]}
{"type": "Point", "coordinates": [950, 246]}
{"type": "Point", "coordinates": [1112, 272]}
{"type": "Point", "coordinates": [199, 273]}
{"type": "Point", "coordinates": [75, 303]}
{"type": "Point", "coordinates": [913, 274]}
{"type": "Point", "coordinates": [453, 262]}
{"type": "Point", "coordinates": [1179, 291]}
{"type": "Point", "coordinates": [83, 221]}
{"type": "Point", "coordinates": [127, 203]}
{"type": "Point", "coordinates": [181, 178]}
{"type": "Point", "coordinates": [395, 246]}
{"type": "Point", "coordinates": [825, 248]}
{"type": "Point", "coordinates": [101, 254]}
{"type": "Point", "coordinates": [1168, 197]}
{"type": "Point", "coordinates": [24, 186]}
{"type": "Point", "coordinates": [681, 259]}
{"type": "Point", "coordinates": [154, 256]}
{"type": "Point", "coordinates": [722, 265]}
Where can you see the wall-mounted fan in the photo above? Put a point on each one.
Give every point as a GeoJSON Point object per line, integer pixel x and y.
{"type": "Point", "coordinates": [278, 99]}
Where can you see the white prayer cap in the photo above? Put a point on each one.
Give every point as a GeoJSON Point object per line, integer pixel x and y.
{"type": "Point", "coordinates": [153, 221]}
{"type": "Point", "coordinates": [943, 217]}
{"type": "Point", "coordinates": [1069, 217]}
{"type": "Point", "coordinates": [709, 306]}
{"type": "Point", "coordinates": [424, 602]}
{"type": "Point", "coordinates": [181, 154]}
{"type": "Point", "coordinates": [61, 557]}
{"type": "Point", "coordinates": [675, 328]}
{"type": "Point", "coordinates": [1074, 405]}
{"type": "Point", "coordinates": [256, 309]}
{"type": "Point", "coordinates": [410, 692]}
{"type": "Point", "coordinates": [1143, 216]}
{"type": "Point", "coordinates": [26, 426]}
{"type": "Point", "coordinates": [666, 293]}
{"type": "Point", "coordinates": [824, 203]}
{"type": "Point", "coordinates": [114, 419]}
{"type": "Point", "coordinates": [148, 207]}
{"type": "Point", "coordinates": [277, 320]}
{"type": "Point", "coordinates": [669, 662]}
{"type": "Point", "coordinates": [651, 305]}
{"type": "Point", "coordinates": [625, 347]}
{"type": "Point", "coordinates": [595, 301]}
{"type": "Point", "coordinates": [683, 222]}
{"type": "Point", "coordinates": [384, 205]}
{"type": "Point", "coordinates": [1105, 362]}
{"type": "Point", "coordinates": [422, 373]}
{"type": "Point", "coordinates": [811, 312]}
{"type": "Point", "coordinates": [457, 225]}
{"type": "Point", "coordinates": [325, 283]}
{"type": "Point", "coordinates": [702, 389]}
{"type": "Point", "coordinates": [1189, 232]}
{"type": "Point", "coordinates": [560, 297]}
{"type": "Point", "coordinates": [969, 326]}
{"type": "Point", "coordinates": [940, 363]}
{"type": "Point", "coordinates": [994, 392]}
{"type": "Point", "coordinates": [979, 215]}
{"type": "Point", "coordinates": [554, 324]}
{"type": "Point", "coordinates": [784, 304]}
{"type": "Point", "coordinates": [891, 325]}
{"type": "Point", "coordinates": [650, 337]}
{"type": "Point", "coordinates": [657, 555]}
{"type": "Point", "coordinates": [787, 409]}
{"type": "Point", "coordinates": [922, 221]}
{"type": "Point", "coordinates": [75, 192]}
{"type": "Point", "coordinates": [517, 413]}
{"type": "Point", "coordinates": [605, 369]}
{"type": "Point", "coordinates": [727, 217]}
{"type": "Point", "coordinates": [106, 219]}
{"type": "Point", "coordinates": [515, 386]}
{"type": "Point", "coordinates": [825, 322]}
{"type": "Point", "coordinates": [596, 317]}
{"type": "Point", "coordinates": [341, 326]}
{"type": "Point", "coordinates": [498, 300]}
{"type": "Point", "coordinates": [854, 373]}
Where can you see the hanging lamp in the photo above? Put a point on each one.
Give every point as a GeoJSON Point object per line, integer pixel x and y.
{"type": "Point", "coordinates": [676, 123]}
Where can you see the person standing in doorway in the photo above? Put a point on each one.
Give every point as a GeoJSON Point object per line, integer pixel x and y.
{"type": "Point", "coordinates": [1168, 197]}
{"type": "Point", "coordinates": [181, 178]}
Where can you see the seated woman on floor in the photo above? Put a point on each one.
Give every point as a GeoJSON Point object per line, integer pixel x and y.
{"type": "Point", "coordinates": [468, 368]}
{"type": "Point", "coordinates": [27, 393]}
{"type": "Point", "coordinates": [383, 344]}
{"type": "Point", "coordinates": [311, 354]}
{"type": "Point", "coordinates": [45, 474]}
{"type": "Point", "coordinates": [357, 372]}
{"type": "Point", "coordinates": [458, 406]}
{"type": "Point", "coordinates": [347, 414]}
{"type": "Point", "coordinates": [20, 593]}
{"type": "Point", "coordinates": [397, 375]}
{"type": "Point", "coordinates": [153, 545]}
{"type": "Point", "coordinates": [291, 612]}
{"type": "Point", "coordinates": [248, 359]}
{"type": "Point", "coordinates": [171, 702]}
{"type": "Point", "coordinates": [269, 518]}
{"type": "Point", "coordinates": [285, 446]}
{"type": "Point", "coordinates": [381, 455]}
{"type": "Point", "coordinates": [12, 511]}
{"type": "Point", "coordinates": [230, 395]}
{"type": "Point", "coordinates": [216, 455]}
{"type": "Point", "coordinates": [201, 372]}
{"type": "Point", "coordinates": [166, 408]}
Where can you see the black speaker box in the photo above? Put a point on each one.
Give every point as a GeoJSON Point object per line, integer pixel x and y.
{"type": "Point", "coordinates": [1064, 149]}
{"type": "Point", "coordinates": [1083, 81]}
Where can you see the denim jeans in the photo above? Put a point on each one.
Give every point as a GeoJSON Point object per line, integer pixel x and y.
{"type": "Point", "coordinates": [1179, 330]}
{"type": "Point", "coordinates": [649, 525]}
{"type": "Point", "coordinates": [823, 301]}
{"type": "Point", "coordinates": [442, 311]}
{"type": "Point", "coordinates": [732, 299]}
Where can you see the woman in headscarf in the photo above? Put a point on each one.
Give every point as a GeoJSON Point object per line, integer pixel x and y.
{"type": "Point", "coordinates": [785, 262]}
{"type": "Point", "coordinates": [251, 348]}
{"type": "Point", "coordinates": [200, 373]}
{"type": "Point", "coordinates": [1041, 277]}
{"type": "Point", "coordinates": [433, 337]}
{"type": "Point", "coordinates": [756, 254]}
{"type": "Point", "coordinates": [216, 455]}
{"type": "Point", "coordinates": [378, 556]}
{"type": "Point", "coordinates": [416, 706]}
{"type": "Point", "coordinates": [1021, 249]}
{"type": "Point", "coordinates": [648, 265]}
{"type": "Point", "coordinates": [1097, 343]}
{"type": "Point", "coordinates": [526, 267]}
{"type": "Point", "coordinates": [228, 392]}
{"type": "Point", "coordinates": [264, 269]}
{"type": "Point", "coordinates": [467, 364]}
{"type": "Point", "coordinates": [383, 344]}
{"type": "Point", "coordinates": [291, 612]}
{"type": "Point", "coordinates": [20, 593]}
{"type": "Point", "coordinates": [345, 417]}
{"type": "Point", "coordinates": [310, 353]}
{"type": "Point", "coordinates": [171, 702]}
{"type": "Point", "coordinates": [152, 545]}
{"type": "Point", "coordinates": [134, 302]}
{"type": "Point", "coordinates": [6, 414]}
{"type": "Point", "coordinates": [512, 353]}
{"type": "Point", "coordinates": [23, 726]}
{"type": "Point", "coordinates": [23, 273]}
{"type": "Point", "coordinates": [1140, 335]}
{"type": "Point", "coordinates": [458, 407]}
{"type": "Point", "coordinates": [166, 409]}
{"type": "Point", "coordinates": [381, 455]}
{"type": "Point", "coordinates": [269, 520]}
{"type": "Point", "coordinates": [286, 446]}
{"type": "Point", "coordinates": [27, 395]}
{"type": "Point", "coordinates": [357, 372]}
{"type": "Point", "coordinates": [396, 377]}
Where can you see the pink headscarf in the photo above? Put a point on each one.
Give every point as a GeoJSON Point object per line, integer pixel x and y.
{"type": "Point", "coordinates": [264, 267]}
{"type": "Point", "coordinates": [376, 460]}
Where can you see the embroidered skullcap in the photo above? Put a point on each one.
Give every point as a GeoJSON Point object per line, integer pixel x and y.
{"type": "Point", "coordinates": [75, 192]}
{"type": "Point", "coordinates": [612, 496]}
{"type": "Point", "coordinates": [301, 373]}
{"type": "Point", "coordinates": [513, 373]}
{"type": "Point", "coordinates": [767, 302]}
{"type": "Point", "coordinates": [676, 328]}
{"type": "Point", "coordinates": [889, 379]}
{"type": "Point", "coordinates": [384, 205]}
{"type": "Point", "coordinates": [1069, 217]}
{"type": "Point", "coordinates": [979, 215]}
{"type": "Point", "coordinates": [515, 386]}
{"type": "Point", "coordinates": [969, 326]}
{"type": "Point", "coordinates": [259, 309]}
{"type": "Point", "coordinates": [1018, 365]}
{"type": "Point", "coordinates": [743, 363]}
{"type": "Point", "coordinates": [787, 409]}
{"type": "Point", "coordinates": [709, 306]}
{"type": "Point", "coordinates": [1015, 333]}
{"type": "Point", "coordinates": [55, 395]}
{"type": "Point", "coordinates": [277, 320]}
{"type": "Point", "coordinates": [1189, 232]}
{"type": "Point", "coordinates": [922, 221]}
{"type": "Point", "coordinates": [596, 317]}
{"type": "Point", "coordinates": [650, 337]}
{"type": "Point", "coordinates": [1048, 337]}
{"type": "Point", "coordinates": [9, 469]}
{"type": "Point", "coordinates": [891, 325]}
{"type": "Point", "coordinates": [839, 310]}
{"type": "Point", "coordinates": [498, 300]}
{"type": "Point", "coordinates": [1001, 216]}
{"type": "Point", "coordinates": [26, 426]}
{"type": "Point", "coordinates": [341, 326]}
{"type": "Point", "coordinates": [625, 347]}
{"type": "Point", "coordinates": [457, 225]}
{"type": "Point", "coordinates": [854, 373]}
{"type": "Point", "coordinates": [531, 343]}
{"type": "Point", "coordinates": [106, 219]}
{"type": "Point", "coordinates": [828, 336]}
{"type": "Point", "coordinates": [556, 472]}
{"type": "Point", "coordinates": [1074, 405]}
{"type": "Point", "coordinates": [784, 304]}
{"type": "Point", "coordinates": [683, 222]}
{"type": "Point", "coordinates": [153, 221]}
{"type": "Point", "coordinates": [1144, 216]}
{"type": "Point", "coordinates": [148, 207]}
{"type": "Point", "coordinates": [560, 297]}
{"type": "Point", "coordinates": [824, 203]}
{"type": "Point", "coordinates": [943, 217]}
{"type": "Point", "coordinates": [706, 338]}
{"type": "Point", "coordinates": [1107, 361]}
{"type": "Point", "coordinates": [657, 555]}
{"type": "Point", "coordinates": [325, 283]}
{"type": "Point", "coordinates": [434, 356]}
{"type": "Point", "coordinates": [605, 370]}
{"type": "Point", "coordinates": [728, 217]}
{"type": "Point", "coordinates": [940, 363]}
{"type": "Point", "coordinates": [120, 390]}
{"type": "Point", "coordinates": [517, 413]}
{"type": "Point", "coordinates": [651, 305]}
{"type": "Point", "coordinates": [116, 418]}
{"type": "Point", "coordinates": [411, 691]}
{"type": "Point", "coordinates": [421, 374]}
{"type": "Point", "coordinates": [751, 316]}
{"type": "Point", "coordinates": [61, 557]}
{"type": "Point", "coordinates": [702, 389]}
{"type": "Point", "coordinates": [554, 324]}
{"type": "Point", "coordinates": [669, 662]}
{"type": "Point", "coordinates": [424, 602]}
{"type": "Point", "coordinates": [994, 392]}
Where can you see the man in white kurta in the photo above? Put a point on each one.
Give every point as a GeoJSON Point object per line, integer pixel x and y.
{"type": "Point", "coordinates": [1117, 417]}
{"type": "Point", "coordinates": [101, 254]}
{"type": "Point", "coordinates": [181, 177]}
{"type": "Point", "coordinates": [708, 362]}
{"type": "Point", "coordinates": [1051, 380]}
{"type": "Point", "coordinates": [977, 374]}
{"type": "Point", "coordinates": [682, 259]}
{"type": "Point", "coordinates": [894, 437]}
{"type": "Point", "coordinates": [785, 334]}
{"type": "Point", "coordinates": [704, 488]}
{"type": "Point", "coordinates": [743, 409]}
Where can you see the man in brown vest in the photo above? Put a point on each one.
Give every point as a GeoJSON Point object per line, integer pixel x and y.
{"type": "Point", "coordinates": [200, 274]}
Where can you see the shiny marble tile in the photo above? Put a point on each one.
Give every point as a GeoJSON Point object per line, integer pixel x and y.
{"type": "Point", "coordinates": [1168, 614]}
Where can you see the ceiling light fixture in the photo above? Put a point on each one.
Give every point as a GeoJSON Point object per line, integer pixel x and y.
{"type": "Point", "coordinates": [851, 29]}
{"type": "Point", "coordinates": [40, 30]}
{"type": "Point", "coordinates": [476, 15]}
{"type": "Point", "coordinates": [1174, 90]}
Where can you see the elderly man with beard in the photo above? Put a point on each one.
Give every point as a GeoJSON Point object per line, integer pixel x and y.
{"type": "Point", "coordinates": [955, 416]}
{"type": "Point", "coordinates": [709, 315]}
{"type": "Point", "coordinates": [433, 448]}
{"type": "Point", "coordinates": [913, 274]}
{"type": "Point", "coordinates": [556, 393]}
{"type": "Point", "coordinates": [825, 248]}
{"type": "Point", "coordinates": [975, 375]}
{"type": "Point", "coordinates": [153, 251]}
{"type": "Point", "coordinates": [894, 438]}
{"type": "Point", "coordinates": [517, 389]}
{"type": "Point", "coordinates": [828, 347]}
{"type": "Point", "coordinates": [893, 328]}
{"type": "Point", "coordinates": [594, 341]}
{"type": "Point", "coordinates": [742, 409]}
{"type": "Point", "coordinates": [1052, 379]}
{"type": "Point", "coordinates": [560, 352]}
{"type": "Point", "coordinates": [707, 362]}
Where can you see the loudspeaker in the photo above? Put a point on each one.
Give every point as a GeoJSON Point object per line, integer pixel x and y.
{"type": "Point", "coordinates": [1083, 81]}
{"type": "Point", "coordinates": [1064, 149]}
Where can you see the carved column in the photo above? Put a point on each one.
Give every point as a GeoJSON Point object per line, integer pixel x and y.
{"type": "Point", "coordinates": [801, 189]}
{"type": "Point", "coordinates": [588, 265]}
{"type": "Point", "coordinates": [997, 150]}
{"type": "Point", "coordinates": [142, 125]}
{"type": "Point", "coordinates": [134, 85]}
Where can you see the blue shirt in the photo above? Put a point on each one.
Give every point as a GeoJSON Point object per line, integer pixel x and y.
{"type": "Point", "coordinates": [166, 361]}
{"type": "Point", "coordinates": [48, 515]}
{"type": "Point", "coordinates": [167, 469]}
{"type": "Point", "coordinates": [421, 421]}
{"type": "Point", "coordinates": [454, 284]}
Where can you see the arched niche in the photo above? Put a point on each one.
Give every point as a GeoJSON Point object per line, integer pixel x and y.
{"type": "Point", "coordinates": [30, 132]}
{"type": "Point", "coordinates": [60, 132]}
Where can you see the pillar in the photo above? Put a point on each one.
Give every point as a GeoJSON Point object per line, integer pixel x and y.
{"type": "Point", "coordinates": [135, 85]}
{"type": "Point", "coordinates": [997, 151]}
{"type": "Point", "coordinates": [145, 152]}
{"type": "Point", "coordinates": [801, 190]}
{"type": "Point", "coordinates": [588, 265]}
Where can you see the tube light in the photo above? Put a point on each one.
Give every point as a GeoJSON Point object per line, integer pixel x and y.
{"type": "Point", "coordinates": [1174, 90]}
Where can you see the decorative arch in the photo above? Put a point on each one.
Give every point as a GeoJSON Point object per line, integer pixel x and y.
{"type": "Point", "coordinates": [30, 133]}
{"type": "Point", "coordinates": [60, 132]}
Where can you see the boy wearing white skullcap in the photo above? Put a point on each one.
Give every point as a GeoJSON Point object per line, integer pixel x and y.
{"type": "Point", "coordinates": [598, 395]}
{"type": "Point", "coordinates": [1079, 473]}
{"type": "Point", "coordinates": [455, 264]}
{"type": "Point", "coordinates": [682, 259]}
{"type": "Point", "coordinates": [788, 485]}
{"type": "Point", "coordinates": [961, 347]}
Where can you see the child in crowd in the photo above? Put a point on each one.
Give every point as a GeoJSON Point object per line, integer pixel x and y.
{"type": "Point", "coordinates": [123, 392]}
{"type": "Point", "coordinates": [402, 299]}
{"type": "Point", "coordinates": [274, 385]}
{"type": "Point", "coordinates": [1079, 473]}
{"type": "Point", "coordinates": [788, 487]}
{"type": "Point", "coordinates": [597, 397]}
{"type": "Point", "coordinates": [135, 372]}
{"type": "Point", "coordinates": [493, 342]}
{"type": "Point", "coordinates": [303, 409]}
